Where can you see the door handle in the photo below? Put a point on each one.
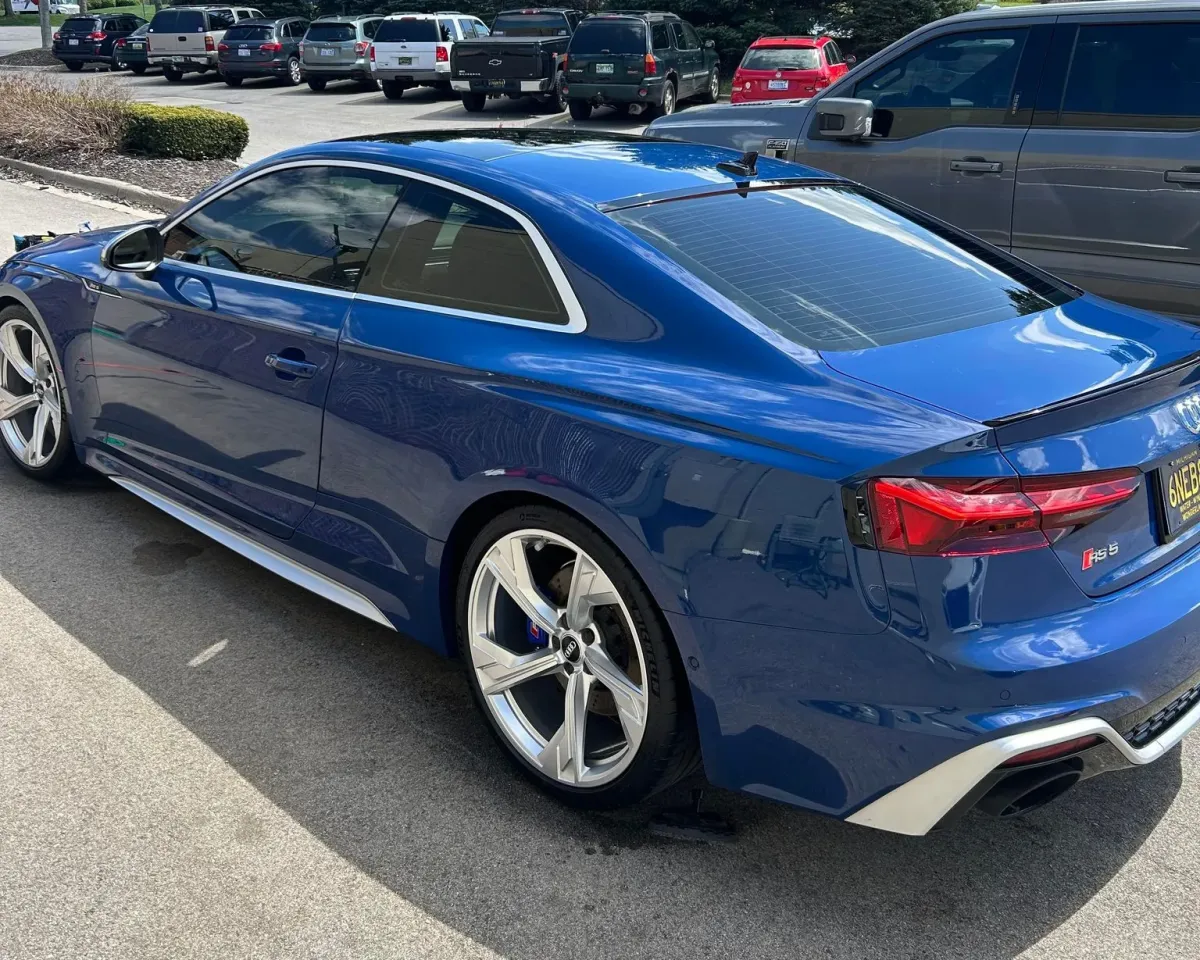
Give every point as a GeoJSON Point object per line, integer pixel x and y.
{"type": "Point", "coordinates": [1186, 175]}
{"type": "Point", "coordinates": [975, 165]}
{"type": "Point", "coordinates": [291, 369]}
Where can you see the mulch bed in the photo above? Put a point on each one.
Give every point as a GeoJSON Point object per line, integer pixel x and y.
{"type": "Point", "coordinates": [179, 178]}
{"type": "Point", "coordinates": [37, 57]}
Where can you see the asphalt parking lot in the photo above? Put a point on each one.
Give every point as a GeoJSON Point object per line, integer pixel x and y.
{"type": "Point", "coordinates": [200, 759]}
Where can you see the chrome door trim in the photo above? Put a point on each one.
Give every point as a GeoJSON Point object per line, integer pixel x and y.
{"type": "Point", "coordinates": [277, 563]}
{"type": "Point", "coordinates": [576, 319]}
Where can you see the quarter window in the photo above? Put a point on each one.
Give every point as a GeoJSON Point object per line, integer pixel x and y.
{"type": "Point", "coordinates": [447, 30]}
{"type": "Point", "coordinates": [955, 80]}
{"type": "Point", "coordinates": [220, 19]}
{"type": "Point", "coordinates": [658, 37]}
{"type": "Point", "coordinates": [1139, 76]}
{"type": "Point", "coordinates": [466, 28]}
{"type": "Point", "coordinates": [446, 250]}
{"type": "Point", "coordinates": [313, 225]}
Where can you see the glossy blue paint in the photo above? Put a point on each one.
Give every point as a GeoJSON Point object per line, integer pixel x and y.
{"type": "Point", "coordinates": [712, 453]}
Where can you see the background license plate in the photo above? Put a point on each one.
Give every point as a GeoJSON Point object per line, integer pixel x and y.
{"type": "Point", "coordinates": [328, 53]}
{"type": "Point", "coordinates": [495, 83]}
{"type": "Point", "coordinates": [243, 53]}
{"type": "Point", "coordinates": [777, 84]}
{"type": "Point", "coordinates": [72, 43]}
{"type": "Point", "coordinates": [403, 61]}
{"type": "Point", "coordinates": [604, 68]}
{"type": "Point", "coordinates": [1179, 485]}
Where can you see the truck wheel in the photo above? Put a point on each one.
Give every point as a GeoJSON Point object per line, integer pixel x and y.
{"type": "Point", "coordinates": [74, 66]}
{"type": "Point", "coordinates": [233, 81]}
{"type": "Point", "coordinates": [138, 68]}
{"type": "Point", "coordinates": [557, 102]}
{"type": "Point", "coordinates": [580, 109]}
{"type": "Point", "coordinates": [474, 102]}
{"type": "Point", "coordinates": [668, 101]}
{"type": "Point", "coordinates": [174, 76]}
{"type": "Point", "coordinates": [713, 93]}
{"type": "Point", "coordinates": [392, 89]}
{"type": "Point", "coordinates": [317, 84]}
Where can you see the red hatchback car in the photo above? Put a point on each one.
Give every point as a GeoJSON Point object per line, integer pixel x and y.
{"type": "Point", "coordinates": [786, 68]}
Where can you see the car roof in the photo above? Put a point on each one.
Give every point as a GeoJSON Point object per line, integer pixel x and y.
{"type": "Point", "coordinates": [348, 18]}
{"type": "Point", "coordinates": [631, 14]}
{"type": "Point", "coordinates": [1085, 7]}
{"type": "Point", "coordinates": [263, 21]}
{"type": "Point", "coordinates": [501, 13]}
{"type": "Point", "coordinates": [789, 41]}
{"type": "Point", "coordinates": [588, 169]}
{"type": "Point", "coordinates": [415, 15]}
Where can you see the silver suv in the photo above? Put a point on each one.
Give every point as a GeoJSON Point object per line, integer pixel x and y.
{"type": "Point", "coordinates": [1068, 134]}
{"type": "Point", "coordinates": [183, 39]}
{"type": "Point", "coordinates": [335, 48]}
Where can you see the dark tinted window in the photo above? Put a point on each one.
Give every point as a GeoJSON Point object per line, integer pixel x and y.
{"type": "Point", "coordinates": [690, 37]}
{"type": "Point", "coordinates": [659, 39]}
{"type": "Point", "coordinates": [220, 19]}
{"type": "Point", "coordinates": [609, 36]}
{"type": "Point", "coordinates": [177, 21]}
{"type": "Point", "coordinates": [960, 79]}
{"type": "Point", "coordinates": [832, 54]}
{"type": "Point", "coordinates": [781, 58]}
{"type": "Point", "coordinates": [257, 34]}
{"type": "Point", "coordinates": [531, 25]}
{"type": "Point", "coordinates": [447, 29]}
{"type": "Point", "coordinates": [309, 224]}
{"type": "Point", "coordinates": [1134, 75]}
{"type": "Point", "coordinates": [80, 25]}
{"type": "Point", "coordinates": [330, 32]}
{"type": "Point", "coordinates": [448, 251]}
{"type": "Point", "coordinates": [836, 268]}
{"type": "Point", "coordinates": [408, 31]}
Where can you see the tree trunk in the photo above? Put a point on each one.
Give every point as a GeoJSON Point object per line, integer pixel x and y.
{"type": "Point", "coordinates": [44, 23]}
{"type": "Point", "coordinates": [83, 6]}
{"type": "Point", "coordinates": [8, 10]}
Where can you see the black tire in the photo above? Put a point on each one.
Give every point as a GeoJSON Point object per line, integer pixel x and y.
{"type": "Point", "coordinates": [580, 109]}
{"type": "Point", "coordinates": [293, 76]}
{"type": "Point", "coordinates": [63, 463]}
{"type": "Point", "coordinates": [234, 81]}
{"type": "Point", "coordinates": [669, 750]}
{"type": "Point", "coordinates": [557, 101]}
{"type": "Point", "coordinates": [317, 84]}
{"type": "Point", "coordinates": [172, 75]}
{"type": "Point", "coordinates": [474, 102]}
{"type": "Point", "coordinates": [114, 64]}
{"type": "Point", "coordinates": [670, 101]}
{"type": "Point", "coordinates": [392, 89]}
{"type": "Point", "coordinates": [368, 84]}
{"type": "Point", "coordinates": [712, 92]}
{"type": "Point", "coordinates": [138, 68]}
{"type": "Point", "coordinates": [74, 66]}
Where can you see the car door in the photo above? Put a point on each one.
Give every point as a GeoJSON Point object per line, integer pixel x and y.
{"type": "Point", "coordinates": [212, 370]}
{"type": "Point", "coordinates": [688, 59]}
{"type": "Point", "coordinates": [1108, 184]}
{"type": "Point", "coordinates": [951, 112]}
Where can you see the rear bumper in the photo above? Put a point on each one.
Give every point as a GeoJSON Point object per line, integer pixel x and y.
{"type": "Point", "coordinates": [184, 62]}
{"type": "Point", "coordinates": [231, 68]}
{"type": "Point", "coordinates": [359, 70]}
{"type": "Point", "coordinates": [597, 93]}
{"type": "Point", "coordinates": [91, 55]}
{"type": "Point", "coordinates": [516, 87]}
{"type": "Point", "coordinates": [439, 74]}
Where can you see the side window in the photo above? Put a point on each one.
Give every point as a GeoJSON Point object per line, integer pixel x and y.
{"type": "Point", "coordinates": [481, 29]}
{"type": "Point", "coordinates": [220, 19]}
{"type": "Point", "coordinates": [449, 251]}
{"type": "Point", "coordinates": [573, 20]}
{"type": "Point", "coordinates": [370, 28]}
{"type": "Point", "coordinates": [466, 28]}
{"type": "Point", "coordinates": [833, 55]}
{"type": "Point", "coordinates": [313, 225]}
{"type": "Point", "coordinates": [1134, 76]}
{"type": "Point", "coordinates": [958, 79]}
{"type": "Point", "coordinates": [447, 30]}
{"type": "Point", "coordinates": [111, 26]}
{"type": "Point", "coordinates": [659, 39]}
{"type": "Point", "coordinates": [691, 38]}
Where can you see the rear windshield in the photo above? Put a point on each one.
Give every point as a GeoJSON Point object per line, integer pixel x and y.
{"type": "Point", "coordinates": [408, 31]}
{"type": "Point", "coordinates": [79, 25]}
{"type": "Point", "coordinates": [178, 21]}
{"type": "Point", "coordinates": [781, 58]}
{"type": "Point", "coordinates": [610, 36]}
{"type": "Point", "coordinates": [141, 31]}
{"type": "Point", "coordinates": [330, 32]}
{"type": "Point", "coordinates": [841, 268]}
{"type": "Point", "coordinates": [258, 33]}
{"type": "Point", "coordinates": [530, 25]}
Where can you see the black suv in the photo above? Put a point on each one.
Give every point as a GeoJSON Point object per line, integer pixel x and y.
{"type": "Point", "coordinates": [262, 48]}
{"type": "Point", "coordinates": [93, 39]}
{"type": "Point", "coordinates": [638, 62]}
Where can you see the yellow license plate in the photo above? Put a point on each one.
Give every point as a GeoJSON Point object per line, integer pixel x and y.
{"type": "Point", "coordinates": [1179, 483]}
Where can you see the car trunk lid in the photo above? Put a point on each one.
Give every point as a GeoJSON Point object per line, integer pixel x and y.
{"type": "Point", "coordinates": [177, 32]}
{"type": "Point", "coordinates": [254, 44]}
{"type": "Point", "coordinates": [778, 84]}
{"type": "Point", "coordinates": [497, 59]}
{"type": "Point", "coordinates": [608, 50]}
{"type": "Point", "coordinates": [407, 43]}
{"type": "Point", "coordinates": [330, 45]}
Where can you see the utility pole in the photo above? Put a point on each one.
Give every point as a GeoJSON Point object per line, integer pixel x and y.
{"type": "Point", "coordinates": [44, 22]}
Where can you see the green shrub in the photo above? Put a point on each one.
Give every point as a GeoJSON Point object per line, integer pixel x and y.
{"type": "Point", "coordinates": [193, 133]}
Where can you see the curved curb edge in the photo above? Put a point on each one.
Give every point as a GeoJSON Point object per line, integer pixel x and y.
{"type": "Point", "coordinates": [97, 186]}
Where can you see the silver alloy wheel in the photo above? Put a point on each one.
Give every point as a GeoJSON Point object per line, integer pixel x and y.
{"type": "Point", "coordinates": [30, 402]}
{"type": "Point", "coordinates": [294, 71]}
{"type": "Point", "coordinates": [588, 634]}
{"type": "Point", "coordinates": [714, 87]}
{"type": "Point", "coordinates": [668, 104]}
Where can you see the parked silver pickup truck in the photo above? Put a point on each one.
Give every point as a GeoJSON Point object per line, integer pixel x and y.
{"type": "Point", "coordinates": [1068, 134]}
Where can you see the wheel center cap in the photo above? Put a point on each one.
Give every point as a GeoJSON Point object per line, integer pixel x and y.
{"type": "Point", "coordinates": [572, 648]}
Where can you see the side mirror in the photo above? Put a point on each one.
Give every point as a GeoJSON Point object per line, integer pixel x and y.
{"type": "Point", "coordinates": [843, 118]}
{"type": "Point", "coordinates": [851, 60]}
{"type": "Point", "coordinates": [139, 250]}
{"type": "Point", "coordinates": [710, 45]}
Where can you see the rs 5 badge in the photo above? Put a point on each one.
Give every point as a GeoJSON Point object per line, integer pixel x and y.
{"type": "Point", "coordinates": [1095, 555]}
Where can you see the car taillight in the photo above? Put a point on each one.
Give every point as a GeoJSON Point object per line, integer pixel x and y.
{"type": "Point", "coordinates": [121, 42]}
{"type": "Point", "coordinates": [442, 54]}
{"type": "Point", "coordinates": [360, 48]}
{"type": "Point", "coordinates": [97, 35]}
{"type": "Point", "coordinates": [1042, 754]}
{"type": "Point", "coordinates": [372, 53]}
{"type": "Point", "coordinates": [222, 48]}
{"type": "Point", "coordinates": [57, 35]}
{"type": "Point", "coordinates": [271, 47]}
{"type": "Point", "coordinates": [982, 517]}
{"type": "Point", "coordinates": [651, 65]}
{"type": "Point", "coordinates": [209, 44]}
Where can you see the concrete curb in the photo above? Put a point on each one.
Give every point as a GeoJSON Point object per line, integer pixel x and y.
{"type": "Point", "coordinates": [97, 186]}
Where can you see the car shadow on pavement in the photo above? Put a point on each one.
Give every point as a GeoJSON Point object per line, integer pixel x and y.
{"type": "Point", "coordinates": [371, 743]}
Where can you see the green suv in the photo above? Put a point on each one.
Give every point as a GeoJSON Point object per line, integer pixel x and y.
{"type": "Point", "coordinates": [638, 63]}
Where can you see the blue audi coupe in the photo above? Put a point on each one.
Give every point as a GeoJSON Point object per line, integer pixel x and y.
{"type": "Point", "coordinates": [695, 459]}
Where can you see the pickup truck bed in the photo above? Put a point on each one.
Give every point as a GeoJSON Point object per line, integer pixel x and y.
{"type": "Point", "coordinates": [507, 66]}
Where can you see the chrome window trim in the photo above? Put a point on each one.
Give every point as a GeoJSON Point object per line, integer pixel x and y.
{"type": "Point", "coordinates": [576, 319]}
